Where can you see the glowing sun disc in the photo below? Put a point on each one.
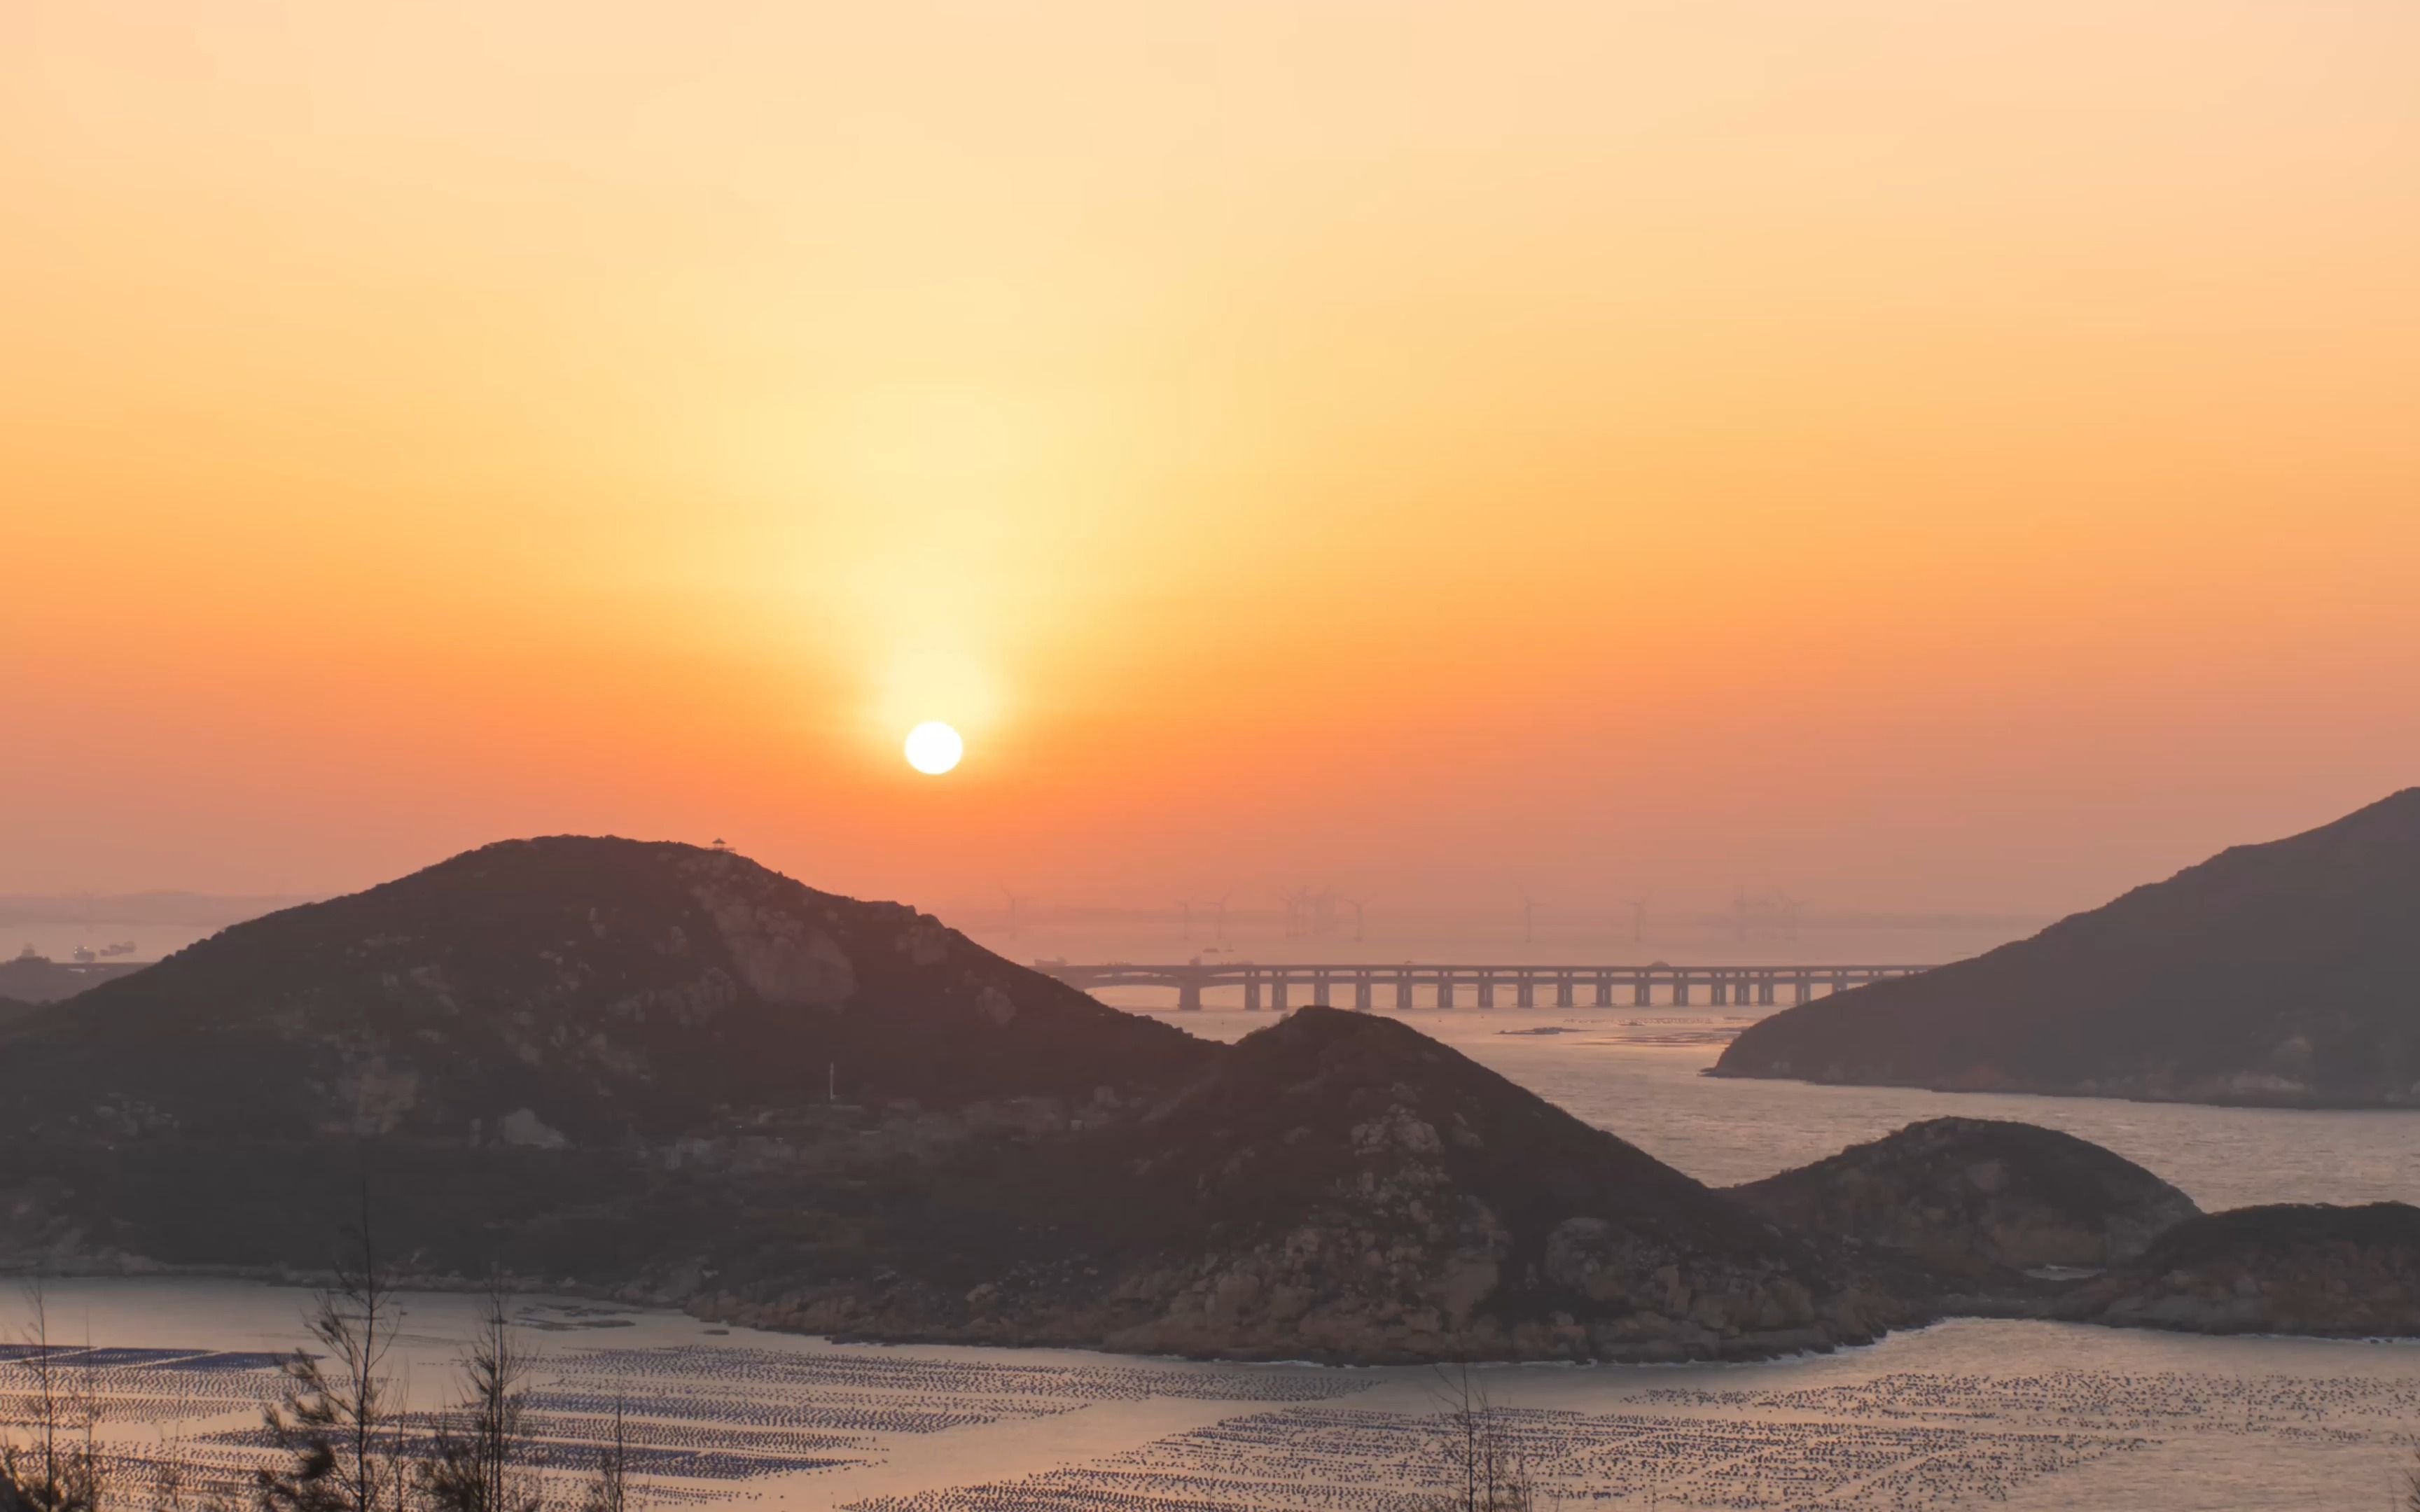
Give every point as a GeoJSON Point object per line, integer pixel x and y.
{"type": "Point", "coordinates": [934, 747]}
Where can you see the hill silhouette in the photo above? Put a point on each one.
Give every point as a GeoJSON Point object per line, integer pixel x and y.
{"type": "Point", "coordinates": [611, 1066]}
{"type": "Point", "coordinates": [2284, 973]}
{"type": "Point", "coordinates": [569, 990]}
{"type": "Point", "coordinates": [1336, 1186]}
{"type": "Point", "coordinates": [1974, 1197]}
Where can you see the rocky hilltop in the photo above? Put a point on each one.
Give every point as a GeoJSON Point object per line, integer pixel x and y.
{"type": "Point", "coordinates": [1973, 1198]}
{"type": "Point", "coordinates": [2352, 1272]}
{"type": "Point", "coordinates": [565, 992]}
{"type": "Point", "coordinates": [667, 1073]}
{"type": "Point", "coordinates": [2284, 973]}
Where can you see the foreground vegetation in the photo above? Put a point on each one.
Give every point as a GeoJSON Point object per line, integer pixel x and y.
{"type": "Point", "coordinates": [343, 1439]}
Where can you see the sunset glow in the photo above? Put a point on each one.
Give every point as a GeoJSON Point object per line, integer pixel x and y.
{"type": "Point", "coordinates": [1925, 456]}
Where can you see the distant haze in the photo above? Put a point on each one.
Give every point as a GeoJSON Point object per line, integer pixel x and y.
{"type": "Point", "coordinates": [1924, 459]}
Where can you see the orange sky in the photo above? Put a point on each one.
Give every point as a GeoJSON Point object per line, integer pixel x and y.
{"type": "Point", "coordinates": [1921, 455]}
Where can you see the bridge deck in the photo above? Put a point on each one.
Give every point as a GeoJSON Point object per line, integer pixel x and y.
{"type": "Point", "coordinates": [1441, 983]}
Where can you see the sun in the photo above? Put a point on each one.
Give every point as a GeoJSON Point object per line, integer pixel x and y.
{"type": "Point", "coordinates": [934, 747]}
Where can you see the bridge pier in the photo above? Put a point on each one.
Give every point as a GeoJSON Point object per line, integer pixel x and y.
{"type": "Point", "coordinates": [1278, 992]}
{"type": "Point", "coordinates": [1604, 989]}
{"type": "Point", "coordinates": [1718, 991]}
{"type": "Point", "coordinates": [1563, 989]}
{"type": "Point", "coordinates": [1445, 989]}
{"type": "Point", "coordinates": [1642, 989]}
{"type": "Point", "coordinates": [1402, 992]}
{"type": "Point", "coordinates": [1319, 988]}
{"type": "Point", "coordinates": [1487, 989]}
{"type": "Point", "coordinates": [1801, 989]}
{"type": "Point", "coordinates": [1680, 991]}
{"type": "Point", "coordinates": [1361, 992]}
{"type": "Point", "coordinates": [1252, 991]}
{"type": "Point", "coordinates": [1525, 991]}
{"type": "Point", "coordinates": [1188, 996]}
{"type": "Point", "coordinates": [1764, 991]}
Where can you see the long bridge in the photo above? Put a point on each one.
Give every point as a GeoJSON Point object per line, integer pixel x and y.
{"type": "Point", "coordinates": [1409, 984]}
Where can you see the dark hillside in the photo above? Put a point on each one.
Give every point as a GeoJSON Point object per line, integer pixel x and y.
{"type": "Point", "coordinates": [2290, 1268]}
{"type": "Point", "coordinates": [1975, 1195]}
{"type": "Point", "coordinates": [2285, 973]}
{"type": "Point", "coordinates": [1338, 1185]}
{"type": "Point", "coordinates": [567, 989]}
{"type": "Point", "coordinates": [608, 1066]}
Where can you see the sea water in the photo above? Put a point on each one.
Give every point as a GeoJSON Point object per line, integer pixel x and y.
{"type": "Point", "coordinates": [1967, 1413]}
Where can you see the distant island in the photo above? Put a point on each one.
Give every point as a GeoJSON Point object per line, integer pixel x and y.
{"type": "Point", "coordinates": [668, 1076]}
{"type": "Point", "coordinates": [30, 976]}
{"type": "Point", "coordinates": [2286, 973]}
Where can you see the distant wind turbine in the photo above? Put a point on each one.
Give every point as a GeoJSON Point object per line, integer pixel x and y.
{"type": "Point", "coordinates": [1638, 917]}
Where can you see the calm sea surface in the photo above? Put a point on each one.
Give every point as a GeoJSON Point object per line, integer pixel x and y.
{"type": "Point", "coordinates": [1964, 1414]}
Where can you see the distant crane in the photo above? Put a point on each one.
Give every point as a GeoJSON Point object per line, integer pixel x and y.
{"type": "Point", "coordinates": [1357, 904]}
{"type": "Point", "coordinates": [1221, 929]}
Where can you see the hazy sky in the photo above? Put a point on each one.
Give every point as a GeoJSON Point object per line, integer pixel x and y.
{"type": "Point", "coordinates": [1918, 454]}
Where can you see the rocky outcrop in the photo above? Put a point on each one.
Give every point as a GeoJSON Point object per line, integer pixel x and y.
{"type": "Point", "coordinates": [1340, 1187]}
{"type": "Point", "coordinates": [2347, 1272]}
{"type": "Point", "coordinates": [2272, 974]}
{"type": "Point", "coordinates": [1970, 1197]}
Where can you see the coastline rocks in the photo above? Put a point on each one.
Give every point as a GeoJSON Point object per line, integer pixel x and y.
{"type": "Point", "coordinates": [2345, 1273]}
{"type": "Point", "coordinates": [1972, 1196]}
{"type": "Point", "coordinates": [1339, 1187]}
{"type": "Point", "coordinates": [1352, 1186]}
